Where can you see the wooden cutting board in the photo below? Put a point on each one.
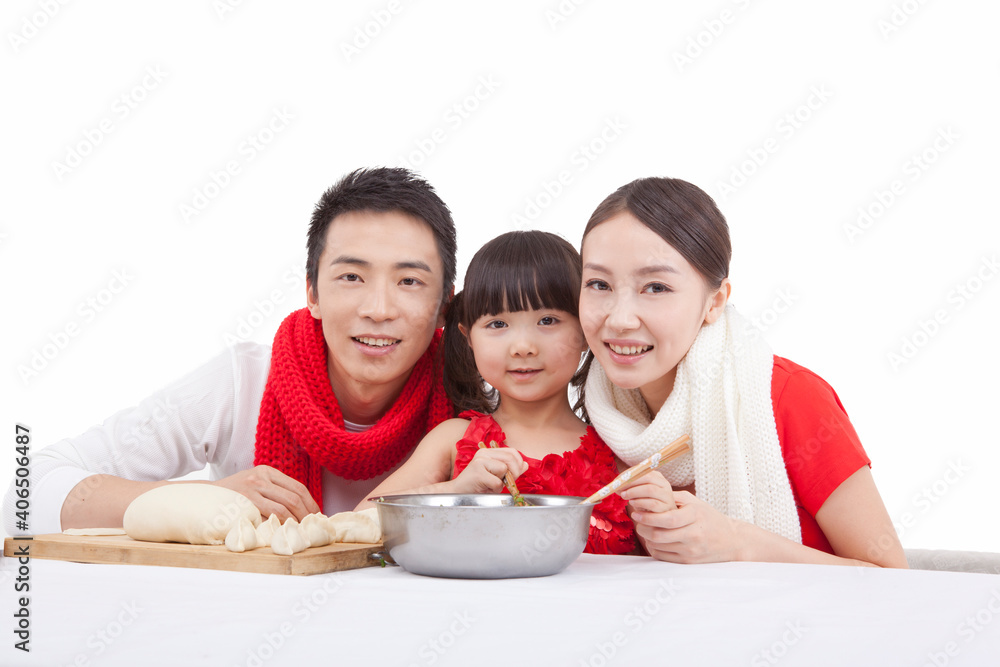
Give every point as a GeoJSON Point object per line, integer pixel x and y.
{"type": "Point", "coordinates": [121, 549]}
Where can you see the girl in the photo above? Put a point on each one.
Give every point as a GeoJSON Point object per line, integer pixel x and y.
{"type": "Point", "coordinates": [512, 346]}
{"type": "Point", "coordinates": [776, 472]}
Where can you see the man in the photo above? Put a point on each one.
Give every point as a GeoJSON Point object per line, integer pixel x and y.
{"type": "Point", "coordinates": [351, 384]}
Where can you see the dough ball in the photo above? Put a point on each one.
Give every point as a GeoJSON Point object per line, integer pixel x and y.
{"type": "Point", "coordinates": [188, 513]}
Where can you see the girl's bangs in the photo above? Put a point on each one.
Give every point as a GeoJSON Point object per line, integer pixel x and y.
{"type": "Point", "coordinates": [518, 288]}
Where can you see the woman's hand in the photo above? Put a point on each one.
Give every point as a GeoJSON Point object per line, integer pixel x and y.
{"type": "Point", "coordinates": [676, 526]}
{"type": "Point", "coordinates": [485, 471]}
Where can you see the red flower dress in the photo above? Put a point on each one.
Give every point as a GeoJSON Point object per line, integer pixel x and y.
{"type": "Point", "coordinates": [579, 472]}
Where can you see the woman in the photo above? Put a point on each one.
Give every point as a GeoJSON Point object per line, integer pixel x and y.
{"type": "Point", "coordinates": [776, 472]}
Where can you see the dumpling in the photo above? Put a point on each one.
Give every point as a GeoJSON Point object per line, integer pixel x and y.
{"type": "Point", "coordinates": [266, 530]}
{"type": "Point", "coordinates": [242, 537]}
{"type": "Point", "coordinates": [289, 539]}
{"type": "Point", "coordinates": [354, 527]}
{"type": "Point", "coordinates": [372, 513]}
{"type": "Point", "coordinates": [314, 526]}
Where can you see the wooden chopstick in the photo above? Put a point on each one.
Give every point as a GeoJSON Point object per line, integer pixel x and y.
{"type": "Point", "coordinates": [508, 479]}
{"type": "Point", "coordinates": [668, 453]}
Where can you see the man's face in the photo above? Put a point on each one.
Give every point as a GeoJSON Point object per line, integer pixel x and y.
{"type": "Point", "coordinates": [378, 292]}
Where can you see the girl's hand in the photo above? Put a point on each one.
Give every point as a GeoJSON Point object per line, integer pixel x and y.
{"type": "Point", "coordinates": [676, 526]}
{"type": "Point", "coordinates": [485, 471]}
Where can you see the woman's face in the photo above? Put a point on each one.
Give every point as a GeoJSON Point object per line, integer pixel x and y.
{"type": "Point", "coordinates": [642, 305]}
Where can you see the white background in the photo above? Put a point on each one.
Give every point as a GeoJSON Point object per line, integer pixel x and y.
{"type": "Point", "coordinates": [807, 110]}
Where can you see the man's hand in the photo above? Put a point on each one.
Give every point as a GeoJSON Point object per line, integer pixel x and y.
{"type": "Point", "coordinates": [272, 491]}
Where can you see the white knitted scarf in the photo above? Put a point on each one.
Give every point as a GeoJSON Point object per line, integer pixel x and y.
{"type": "Point", "coordinates": [722, 399]}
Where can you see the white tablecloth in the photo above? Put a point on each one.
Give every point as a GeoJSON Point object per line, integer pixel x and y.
{"type": "Point", "coordinates": [603, 610]}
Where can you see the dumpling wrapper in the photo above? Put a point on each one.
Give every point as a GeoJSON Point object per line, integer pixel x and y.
{"type": "Point", "coordinates": [94, 532]}
{"type": "Point", "coordinates": [265, 531]}
{"type": "Point", "coordinates": [314, 527]}
{"type": "Point", "coordinates": [289, 539]}
{"type": "Point", "coordinates": [356, 527]}
{"type": "Point", "coordinates": [187, 513]}
{"type": "Point", "coordinates": [243, 537]}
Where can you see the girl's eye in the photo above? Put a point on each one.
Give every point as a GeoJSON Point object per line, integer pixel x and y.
{"type": "Point", "coordinates": [597, 285]}
{"type": "Point", "coordinates": [656, 288]}
{"type": "Point", "coordinates": [496, 324]}
{"type": "Point", "coordinates": [548, 321]}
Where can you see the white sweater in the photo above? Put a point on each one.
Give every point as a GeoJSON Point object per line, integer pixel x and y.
{"type": "Point", "coordinates": [207, 418]}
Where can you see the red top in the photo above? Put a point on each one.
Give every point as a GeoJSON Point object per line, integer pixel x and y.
{"type": "Point", "coordinates": [818, 443]}
{"type": "Point", "coordinates": [579, 472]}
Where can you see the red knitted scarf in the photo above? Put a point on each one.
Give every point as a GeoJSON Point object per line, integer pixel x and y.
{"type": "Point", "coordinates": [300, 430]}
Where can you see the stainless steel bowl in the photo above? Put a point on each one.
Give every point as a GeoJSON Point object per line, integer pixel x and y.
{"type": "Point", "coordinates": [483, 536]}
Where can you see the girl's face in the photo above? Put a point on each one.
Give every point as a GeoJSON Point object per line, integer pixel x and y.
{"type": "Point", "coordinates": [642, 305]}
{"type": "Point", "coordinates": [529, 355]}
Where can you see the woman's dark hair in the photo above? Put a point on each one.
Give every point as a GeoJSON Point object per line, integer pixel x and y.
{"type": "Point", "coordinates": [681, 214]}
{"type": "Point", "coordinates": [516, 271]}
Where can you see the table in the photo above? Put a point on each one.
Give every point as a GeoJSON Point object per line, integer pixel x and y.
{"type": "Point", "coordinates": [601, 611]}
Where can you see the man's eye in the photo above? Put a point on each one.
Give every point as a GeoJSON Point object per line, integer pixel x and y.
{"type": "Point", "coordinates": [410, 281]}
{"type": "Point", "coordinates": [350, 277]}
